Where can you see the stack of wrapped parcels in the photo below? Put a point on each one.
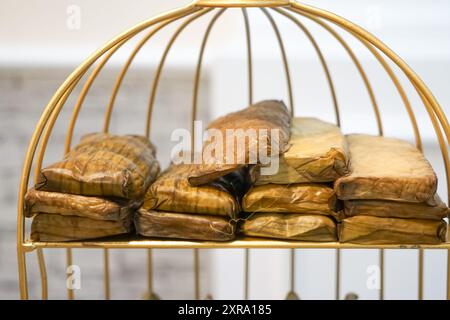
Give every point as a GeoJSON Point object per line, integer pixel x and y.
{"type": "Point", "coordinates": [202, 201]}
{"type": "Point", "coordinates": [94, 191]}
{"type": "Point", "coordinates": [298, 202]}
{"type": "Point", "coordinates": [327, 187]}
{"type": "Point", "coordinates": [390, 195]}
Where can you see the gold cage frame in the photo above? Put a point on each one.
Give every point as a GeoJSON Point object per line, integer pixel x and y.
{"type": "Point", "coordinates": [289, 9]}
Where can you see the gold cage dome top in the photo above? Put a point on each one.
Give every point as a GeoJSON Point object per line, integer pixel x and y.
{"type": "Point", "coordinates": [291, 10]}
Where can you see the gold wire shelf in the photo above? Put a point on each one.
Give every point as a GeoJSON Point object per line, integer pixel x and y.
{"type": "Point", "coordinates": [240, 243]}
{"type": "Point", "coordinates": [294, 12]}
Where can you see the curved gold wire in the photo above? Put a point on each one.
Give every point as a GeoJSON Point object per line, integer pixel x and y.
{"type": "Point", "coordinates": [250, 102]}
{"type": "Point", "coordinates": [193, 117]}
{"type": "Point", "coordinates": [198, 74]}
{"type": "Point", "coordinates": [283, 56]}
{"type": "Point", "coordinates": [127, 65]}
{"type": "Point", "coordinates": [357, 64]}
{"type": "Point", "coordinates": [48, 111]}
{"type": "Point", "coordinates": [84, 91]}
{"type": "Point", "coordinates": [431, 105]}
{"type": "Point", "coordinates": [249, 56]}
{"type": "Point", "coordinates": [389, 71]}
{"type": "Point", "coordinates": [321, 58]}
{"type": "Point", "coordinates": [161, 65]}
{"type": "Point", "coordinates": [43, 272]}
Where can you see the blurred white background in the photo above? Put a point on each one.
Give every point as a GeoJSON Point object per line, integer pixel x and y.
{"type": "Point", "coordinates": [43, 40]}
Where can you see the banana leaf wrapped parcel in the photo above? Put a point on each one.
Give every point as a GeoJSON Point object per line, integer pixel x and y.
{"type": "Point", "coordinates": [386, 169]}
{"type": "Point", "coordinates": [159, 224]}
{"type": "Point", "coordinates": [253, 127]}
{"type": "Point", "coordinates": [318, 152]}
{"type": "Point", "coordinates": [172, 192]}
{"type": "Point", "coordinates": [312, 198]}
{"type": "Point", "coordinates": [104, 165]}
{"type": "Point", "coordinates": [114, 209]}
{"type": "Point", "coordinates": [56, 227]}
{"type": "Point", "coordinates": [434, 209]}
{"type": "Point", "coordinates": [301, 227]}
{"type": "Point", "coordinates": [379, 231]}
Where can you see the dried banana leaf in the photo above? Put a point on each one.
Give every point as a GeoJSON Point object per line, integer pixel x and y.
{"type": "Point", "coordinates": [104, 165]}
{"type": "Point", "coordinates": [376, 231]}
{"type": "Point", "coordinates": [262, 118]}
{"type": "Point", "coordinates": [434, 209]}
{"type": "Point", "coordinates": [386, 169]}
{"type": "Point", "coordinates": [296, 198]}
{"type": "Point", "coordinates": [172, 192]}
{"type": "Point", "coordinates": [303, 227]}
{"type": "Point", "coordinates": [65, 204]}
{"type": "Point", "coordinates": [183, 226]}
{"type": "Point", "coordinates": [318, 153]}
{"type": "Point", "coordinates": [55, 227]}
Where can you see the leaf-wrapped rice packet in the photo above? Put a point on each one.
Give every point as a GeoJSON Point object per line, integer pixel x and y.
{"type": "Point", "coordinates": [318, 153]}
{"type": "Point", "coordinates": [434, 209]}
{"type": "Point", "coordinates": [104, 165]}
{"type": "Point", "coordinates": [172, 192]}
{"type": "Point", "coordinates": [386, 169]}
{"type": "Point", "coordinates": [173, 225]}
{"type": "Point", "coordinates": [253, 127]}
{"type": "Point", "coordinates": [65, 204]}
{"type": "Point", "coordinates": [295, 198]}
{"type": "Point", "coordinates": [378, 231]}
{"type": "Point", "coordinates": [55, 227]}
{"type": "Point", "coordinates": [302, 227]}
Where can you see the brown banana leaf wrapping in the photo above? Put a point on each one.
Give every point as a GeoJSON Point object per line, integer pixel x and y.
{"type": "Point", "coordinates": [295, 198]}
{"type": "Point", "coordinates": [104, 165]}
{"type": "Point", "coordinates": [262, 117]}
{"type": "Point", "coordinates": [159, 224]}
{"type": "Point", "coordinates": [172, 192]}
{"type": "Point", "coordinates": [301, 227]}
{"type": "Point", "coordinates": [65, 204]}
{"type": "Point", "coordinates": [386, 169]}
{"type": "Point", "coordinates": [318, 153]}
{"type": "Point", "coordinates": [434, 209]}
{"type": "Point", "coordinates": [55, 227]}
{"type": "Point", "coordinates": [379, 231]}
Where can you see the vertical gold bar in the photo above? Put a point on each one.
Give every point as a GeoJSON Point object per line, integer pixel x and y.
{"type": "Point", "coordinates": [283, 56]}
{"type": "Point", "coordinates": [249, 56]}
{"type": "Point", "coordinates": [22, 265]}
{"type": "Point", "coordinates": [381, 253]}
{"type": "Point", "coordinates": [420, 293]}
{"type": "Point", "coordinates": [159, 69]}
{"type": "Point", "coordinates": [70, 292]}
{"type": "Point", "coordinates": [246, 273]}
{"type": "Point", "coordinates": [292, 295]}
{"type": "Point", "coordinates": [106, 277]}
{"type": "Point", "coordinates": [43, 272]}
{"type": "Point", "coordinates": [321, 58]}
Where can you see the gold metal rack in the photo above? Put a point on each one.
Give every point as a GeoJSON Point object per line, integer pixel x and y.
{"type": "Point", "coordinates": [291, 10]}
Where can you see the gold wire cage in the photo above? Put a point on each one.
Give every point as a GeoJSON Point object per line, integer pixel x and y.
{"type": "Point", "coordinates": [291, 10]}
